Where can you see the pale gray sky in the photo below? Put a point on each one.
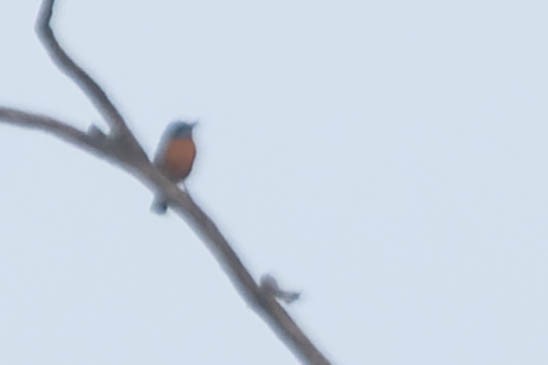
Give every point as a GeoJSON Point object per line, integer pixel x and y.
{"type": "Point", "coordinates": [387, 158]}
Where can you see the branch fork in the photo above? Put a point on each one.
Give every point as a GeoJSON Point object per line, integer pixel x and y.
{"type": "Point", "coordinates": [121, 147]}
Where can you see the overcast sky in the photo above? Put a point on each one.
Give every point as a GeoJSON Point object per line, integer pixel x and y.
{"type": "Point", "coordinates": [386, 158]}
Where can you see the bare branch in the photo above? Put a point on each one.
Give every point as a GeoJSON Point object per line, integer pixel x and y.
{"type": "Point", "coordinates": [51, 125]}
{"type": "Point", "coordinates": [258, 299]}
{"type": "Point", "coordinates": [96, 94]}
{"type": "Point", "coordinates": [122, 147]}
{"type": "Point", "coordinates": [263, 303]}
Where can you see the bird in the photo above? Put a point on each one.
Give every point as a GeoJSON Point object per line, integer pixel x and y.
{"type": "Point", "coordinates": [175, 156]}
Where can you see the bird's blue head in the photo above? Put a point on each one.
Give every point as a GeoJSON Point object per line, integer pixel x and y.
{"type": "Point", "coordinates": [180, 129]}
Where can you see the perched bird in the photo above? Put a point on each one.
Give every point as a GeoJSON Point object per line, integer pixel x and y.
{"type": "Point", "coordinates": [175, 156]}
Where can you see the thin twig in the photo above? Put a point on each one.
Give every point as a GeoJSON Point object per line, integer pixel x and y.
{"type": "Point", "coordinates": [51, 125]}
{"type": "Point", "coordinates": [65, 63]}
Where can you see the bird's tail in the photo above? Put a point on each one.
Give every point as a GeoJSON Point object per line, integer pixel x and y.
{"type": "Point", "coordinates": [159, 206]}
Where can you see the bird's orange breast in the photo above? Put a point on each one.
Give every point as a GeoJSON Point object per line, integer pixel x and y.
{"type": "Point", "coordinates": [179, 158]}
